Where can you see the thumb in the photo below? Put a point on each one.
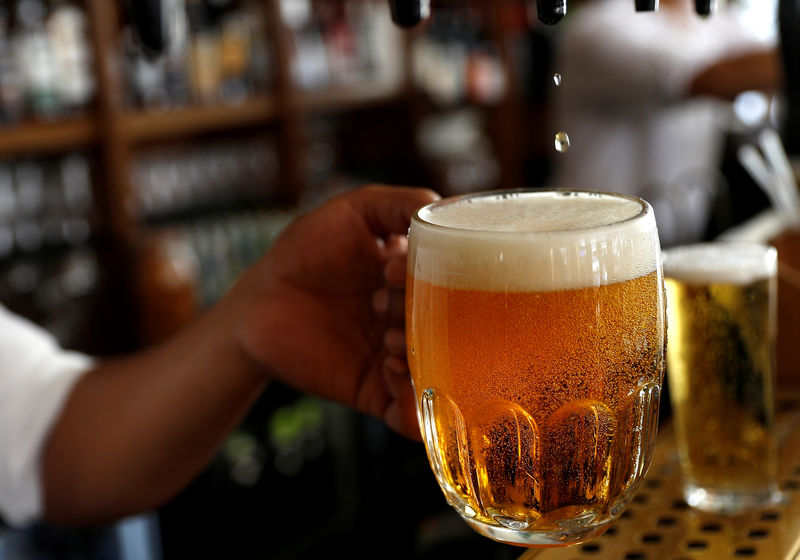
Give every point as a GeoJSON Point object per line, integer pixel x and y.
{"type": "Point", "coordinates": [388, 210]}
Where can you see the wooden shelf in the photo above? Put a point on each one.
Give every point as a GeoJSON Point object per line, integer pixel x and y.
{"type": "Point", "coordinates": [342, 98]}
{"type": "Point", "coordinates": [43, 137]}
{"type": "Point", "coordinates": [171, 124]}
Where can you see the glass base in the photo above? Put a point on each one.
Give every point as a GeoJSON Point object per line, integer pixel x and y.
{"type": "Point", "coordinates": [729, 501]}
{"type": "Point", "coordinates": [542, 539]}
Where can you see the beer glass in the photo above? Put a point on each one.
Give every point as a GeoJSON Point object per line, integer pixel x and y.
{"type": "Point", "coordinates": [535, 324]}
{"type": "Point", "coordinates": [720, 369]}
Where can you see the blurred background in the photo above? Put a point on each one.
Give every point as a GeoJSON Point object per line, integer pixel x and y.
{"type": "Point", "coordinates": [134, 190]}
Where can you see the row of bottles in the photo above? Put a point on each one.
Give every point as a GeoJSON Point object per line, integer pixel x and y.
{"type": "Point", "coordinates": [219, 53]}
{"type": "Point", "coordinates": [45, 204]}
{"type": "Point", "coordinates": [58, 290]}
{"type": "Point", "coordinates": [45, 60]}
{"type": "Point", "coordinates": [180, 180]}
{"type": "Point", "coordinates": [49, 268]}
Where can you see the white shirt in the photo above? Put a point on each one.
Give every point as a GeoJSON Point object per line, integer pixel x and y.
{"type": "Point", "coordinates": [36, 377]}
{"type": "Point", "coordinates": [622, 101]}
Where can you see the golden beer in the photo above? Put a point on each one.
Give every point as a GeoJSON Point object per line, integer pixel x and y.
{"type": "Point", "coordinates": [536, 345]}
{"type": "Point", "coordinates": [721, 372]}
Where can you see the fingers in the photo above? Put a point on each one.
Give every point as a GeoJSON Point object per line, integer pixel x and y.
{"type": "Point", "coordinates": [397, 246]}
{"type": "Point", "coordinates": [400, 413]}
{"type": "Point", "coordinates": [395, 271]}
{"type": "Point", "coordinates": [388, 210]}
{"type": "Point", "coordinates": [401, 417]}
{"type": "Point", "coordinates": [395, 342]}
{"type": "Point", "coordinates": [390, 303]}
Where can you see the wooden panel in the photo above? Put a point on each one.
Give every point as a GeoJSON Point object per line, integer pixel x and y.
{"type": "Point", "coordinates": [147, 126]}
{"type": "Point", "coordinates": [36, 138]}
{"type": "Point", "coordinates": [351, 97]}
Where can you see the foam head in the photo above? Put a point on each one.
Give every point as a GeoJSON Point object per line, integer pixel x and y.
{"type": "Point", "coordinates": [721, 263]}
{"type": "Point", "coordinates": [533, 240]}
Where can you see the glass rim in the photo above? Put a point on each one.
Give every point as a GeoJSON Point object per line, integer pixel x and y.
{"type": "Point", "coordinates": [752, 260]}
{"type": "Point", "coordinates": [754, 246]}
{"type": "Point", "coordinates": [646, 210]}
{"type": "Point", "coordinates": [752, 249]}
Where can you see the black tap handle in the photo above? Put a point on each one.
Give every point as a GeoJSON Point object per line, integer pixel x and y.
{"type": "Point", "coordinates": [550, 12]}
{"type": "Point", "coordinates": [408, 13]}
{"type": "Point", "coordinates": [148, 19]}
{"type": "Point", "coordinates": [704, 7]}
{"type": "Point", "coordinates": [789, 25]}
{"type": "Point", "coordinates": [646, 5]}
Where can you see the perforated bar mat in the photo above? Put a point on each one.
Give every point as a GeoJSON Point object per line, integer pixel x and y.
{"type": "Point", "coordinates": [659, 525]}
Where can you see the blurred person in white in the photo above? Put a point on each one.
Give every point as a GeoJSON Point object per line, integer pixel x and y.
{"type": "Point", "coordinates": [85, 442]}
{"type": "Point", "coordinates": [645, 99]}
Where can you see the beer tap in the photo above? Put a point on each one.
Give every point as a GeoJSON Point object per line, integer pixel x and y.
{"type": "Point", "coordinates": [155, 24]}
{"type": "Point", "coordinates": [646, 5]}
{"type": "Point", "coordinates": [704, 7]}
{"type": "Point", "coordinates": [408, 13]}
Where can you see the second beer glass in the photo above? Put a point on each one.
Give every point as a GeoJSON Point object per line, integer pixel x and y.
{"type": "Point", "coordinates": [536, 343]}
{"type": "Point", "coordinates": [722, 329]}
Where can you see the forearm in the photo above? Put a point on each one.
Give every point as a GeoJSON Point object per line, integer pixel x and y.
{"type": "Point", "coordinates": [136, 430]}
{"type": "Point", "coordinates": [760, 70]}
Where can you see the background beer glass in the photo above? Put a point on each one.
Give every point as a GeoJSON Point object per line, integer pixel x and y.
{"type": "Point", "coordinates": [720, 362]}
{"type": "Point", "coordinates": [536, 345]}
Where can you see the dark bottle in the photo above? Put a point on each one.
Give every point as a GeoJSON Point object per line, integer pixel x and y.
{"type": "Point", "coordinates": [789, 21]}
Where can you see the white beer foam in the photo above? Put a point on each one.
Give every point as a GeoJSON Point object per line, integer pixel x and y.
{"type": "Point", "coordinates": [721, 263]}
{"type": "Point", "coordinates": [534, 241]}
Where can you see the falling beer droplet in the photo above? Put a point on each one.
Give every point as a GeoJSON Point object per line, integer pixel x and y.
{"type": "Point", "coordinates": [562, 141]}
{"type": "Point", "coordinates": [557, 79]}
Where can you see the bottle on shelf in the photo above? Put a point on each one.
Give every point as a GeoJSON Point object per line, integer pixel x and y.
{"type": "Point", "coordinates": [220, 55]}
{"type": "Point", "coordinates": [35, 59]}
{"type": "Point", "coordinates": [454, 63]}
{"type": "Point", "coordinates": [45, 60]}
{"type": "Point", "coordinates": [12, 98]}
{"type": "Point", "coordinates": [343, 44]}
{"type": "Point", "coordinates": [67, 31]}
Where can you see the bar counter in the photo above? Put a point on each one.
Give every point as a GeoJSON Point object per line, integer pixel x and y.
{"type": "Point", "coordinates": [659, 525]}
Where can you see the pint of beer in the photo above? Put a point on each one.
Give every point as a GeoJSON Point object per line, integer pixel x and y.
{"type": "Point", "coordinates": [720, 363]}
{"type": "Point", "coordinates": [536, 345]}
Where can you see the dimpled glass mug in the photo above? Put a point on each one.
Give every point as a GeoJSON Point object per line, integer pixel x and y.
{"type": "Point", "coordinates": [536, 338]}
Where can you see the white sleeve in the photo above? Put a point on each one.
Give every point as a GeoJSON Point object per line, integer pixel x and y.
{"type": "Point", "coordinates": [36, 376]}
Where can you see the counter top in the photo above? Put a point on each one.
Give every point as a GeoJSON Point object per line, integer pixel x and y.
{"type": "Point", "coordinates": [659, 525]}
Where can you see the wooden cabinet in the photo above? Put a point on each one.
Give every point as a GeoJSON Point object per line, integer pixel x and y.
{"type": "Point", "coordinates": [115, 132]}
